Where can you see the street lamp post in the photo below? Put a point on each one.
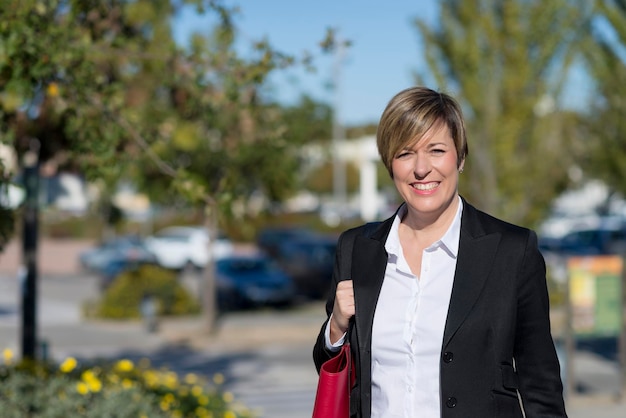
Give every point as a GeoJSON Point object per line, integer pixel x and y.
{"type": "Point", "coordinates": [28, 275]}
{"type": "Point", "coordinates": [339, 166]}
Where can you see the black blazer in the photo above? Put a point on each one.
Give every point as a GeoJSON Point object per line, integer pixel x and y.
{"type": "Point", "coordinates": [497, 342]}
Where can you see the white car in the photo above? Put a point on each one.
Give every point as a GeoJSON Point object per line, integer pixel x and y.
{"type": "Point", "coordinates": [179, 247]}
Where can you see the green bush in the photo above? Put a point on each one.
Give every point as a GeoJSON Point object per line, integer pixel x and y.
{"type": "Point", "coordinates": [122, 299]}
{"type": "Point", "coordinates": [119, 389]}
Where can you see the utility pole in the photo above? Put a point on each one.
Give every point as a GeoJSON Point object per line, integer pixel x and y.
{"type": "Point", "coordinates": [339, 165]}
{"type": "Point", "coordinates": [28, 275]}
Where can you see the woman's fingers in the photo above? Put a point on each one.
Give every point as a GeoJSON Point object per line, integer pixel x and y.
{"type": "Point", "coordinates": [343, 309]}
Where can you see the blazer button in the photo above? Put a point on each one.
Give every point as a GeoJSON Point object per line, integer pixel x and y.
{"type": "Point", "coordinates": [448, 357]}
{"type": "Point", "coordinates": [451, 402]}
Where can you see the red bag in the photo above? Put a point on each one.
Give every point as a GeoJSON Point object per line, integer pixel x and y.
{"type": "Point", "coordinates": [337, 376]}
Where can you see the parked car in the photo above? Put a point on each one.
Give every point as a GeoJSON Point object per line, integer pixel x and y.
{"type": "Point", "coordinates": [251, 280]}
{"type": "Point", "coordinates": [179, 247]}
{"type": "Point", "coordinates": [127, 248]}
{"type": "Point", "coordinates": [604, 239]}
{"type": "Point", "coordinates": [309, 260]}
{"type": "Point", "coordinates": [270, 239]}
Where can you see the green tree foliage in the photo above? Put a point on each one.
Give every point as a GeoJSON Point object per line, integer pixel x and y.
{"type": "Point", "coordinates": [106, 90]}
{"type": "Point", "coordinates": [308, 121]}
{"type": "Point", "coordinates": [506, 62]}
{"type": "Point", "coordinates": [605, 60]}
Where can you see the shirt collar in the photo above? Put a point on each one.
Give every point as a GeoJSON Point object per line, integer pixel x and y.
{"type": "Point", "coordinates": [449, 241]}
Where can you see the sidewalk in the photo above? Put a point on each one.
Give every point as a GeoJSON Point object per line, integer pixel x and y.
{"type": "Point", "coordinates": [596, 407]}
{"type": "Point", "coordinates": [54, 256]}
{"type": "Point", "coordinates": [243, 331]}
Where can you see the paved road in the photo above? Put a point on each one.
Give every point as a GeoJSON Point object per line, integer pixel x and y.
{"type": "Point", "coordinates": [265, 356]}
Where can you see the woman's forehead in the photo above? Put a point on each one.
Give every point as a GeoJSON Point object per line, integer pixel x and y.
{"type": "Point", "coordinates": [438, 131]}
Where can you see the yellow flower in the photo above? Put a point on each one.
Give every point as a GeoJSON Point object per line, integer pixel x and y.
{"type": "Point", "coordinates": [230, 414]}
{"type": "Point", "coordinates": [7, 353]}
{"type": "Point", "coordinates": [170, 380]}
{"type": "Point", "coordinates": [165, 406]}
{"type": "Point", "coordinates": [218, 378]}
{"type": "Point", "coordinates": [151, 378]}
{"type": "Point", "coordinates": [228, 397]}
{"type": "Point", "coordinates": [127, 383]}
{"type": "Point", "coordinates": [201, 412]}
{"type": "Point", "coordinates": [196, 390]}
{"type": "Point", "coordinates": [91, 380]}
{"type": "Point", "coordinates": [68, 365]}
{"type": "Point", "coordinates": [191, 378]}
{"type": "Point", "coordinates": [82, 388]}
{"type": "Point", "coordinates": [95, 385]}
{"type": "Point", "coordinates": [124, 366]}
{"type": "Point", "coordinates": [53, 89]}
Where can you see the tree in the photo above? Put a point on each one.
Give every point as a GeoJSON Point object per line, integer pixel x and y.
{"type": "Point", "coordinates": [606, 123]}
{"type": "Point", "coordinates": [104, 88]}
{"type": "Point", "coordinates": [507, 63]}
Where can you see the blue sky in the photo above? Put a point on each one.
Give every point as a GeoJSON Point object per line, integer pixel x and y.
{"type": "Point", "coordinates": [385, 47]}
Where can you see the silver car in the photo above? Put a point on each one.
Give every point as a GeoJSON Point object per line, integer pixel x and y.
{"type": "Point", "coordinates": [179, 247]}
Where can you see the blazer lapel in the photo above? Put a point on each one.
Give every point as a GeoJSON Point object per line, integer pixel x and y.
{"type": "Point", "coordinates": [476, 256]}
{"type": "Point", "coordinates": [369, 261]}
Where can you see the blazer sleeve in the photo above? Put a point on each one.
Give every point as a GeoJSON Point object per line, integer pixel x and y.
{"type": "Point", "coordinates": [320, 353]}
{"type": "Point", "coordinates": [536, 361]}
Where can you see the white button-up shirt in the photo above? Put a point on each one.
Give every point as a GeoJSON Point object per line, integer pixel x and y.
{"type": "Point", "coordinates": [408, 327]}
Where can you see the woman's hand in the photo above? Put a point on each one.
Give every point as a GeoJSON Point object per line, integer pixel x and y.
{"type": "Point", "coordinates": [343, 310]}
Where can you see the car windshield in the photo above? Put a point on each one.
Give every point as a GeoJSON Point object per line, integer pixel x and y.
{"type": "Point", "coordinates": [122, 242]}
{"type": "Point", "coordinates": [243, 265]}
{"type": "Point", "coordinates": [173, 235]}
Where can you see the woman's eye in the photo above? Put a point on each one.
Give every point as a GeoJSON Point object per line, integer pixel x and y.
{"type": "Point", "coordinates": [438, 151]}
{"type": "Point", "coordinates": [403, 154]}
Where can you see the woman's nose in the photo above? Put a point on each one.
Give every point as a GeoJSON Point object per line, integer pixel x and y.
{"type": "Point", "coordinates": [422, 166]}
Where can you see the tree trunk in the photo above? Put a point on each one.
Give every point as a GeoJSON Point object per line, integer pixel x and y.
{"type": "Point", "coordinates": [209, 289]}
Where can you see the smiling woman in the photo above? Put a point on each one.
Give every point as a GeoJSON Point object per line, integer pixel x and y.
{"type": "Point", "coordinates": [448, 306]}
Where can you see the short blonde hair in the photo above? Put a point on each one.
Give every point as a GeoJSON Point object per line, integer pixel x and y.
{"type": "Point", "coordinates": [413, 112]}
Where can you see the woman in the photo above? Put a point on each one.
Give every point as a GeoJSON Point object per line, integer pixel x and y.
{"type": "Point", "coordinates": [449, 305]}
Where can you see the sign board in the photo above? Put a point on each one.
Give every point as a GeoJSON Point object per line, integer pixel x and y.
{"type": "Point", "coordinates": [595, 295]}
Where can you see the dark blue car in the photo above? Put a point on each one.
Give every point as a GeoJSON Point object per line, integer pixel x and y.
{"type": "Point", "coordinates": [589, 241]}
{"type": "Point", "coordinates": [247, 281]}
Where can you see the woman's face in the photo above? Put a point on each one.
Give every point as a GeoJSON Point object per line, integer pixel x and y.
{"type": "Point", "coordinates": [426, 175]}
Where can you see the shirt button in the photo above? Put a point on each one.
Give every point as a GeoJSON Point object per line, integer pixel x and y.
{"type": "Point", "coordinates": [451, 402]}
{"type": "Point", "coordinates": [448, 357]}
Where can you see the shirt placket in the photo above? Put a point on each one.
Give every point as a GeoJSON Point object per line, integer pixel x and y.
{"type": "Point", "coordinates": [410, 320]}
{"type": "Point", "coordinates": [413, 371]}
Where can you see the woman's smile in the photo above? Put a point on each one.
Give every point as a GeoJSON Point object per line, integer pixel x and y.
{"type": "Point", "coordinates": [426, 187]}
